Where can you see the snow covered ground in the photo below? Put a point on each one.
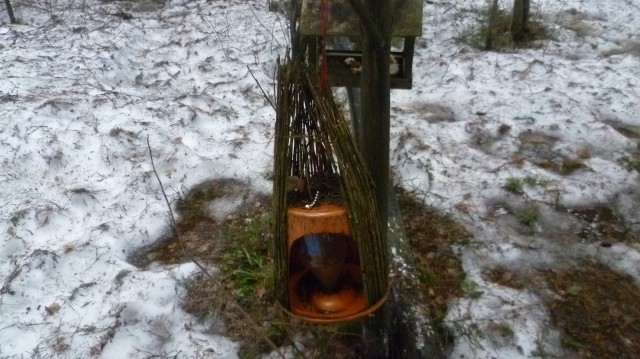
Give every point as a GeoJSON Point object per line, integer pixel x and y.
{"type": "Point", "coordinates": [83, 84]}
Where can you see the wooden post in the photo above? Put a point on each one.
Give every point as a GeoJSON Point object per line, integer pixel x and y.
{"type": "Point", "coordinates": [375, 101]}
{"type": "Point", "coordinates": [375, 16]}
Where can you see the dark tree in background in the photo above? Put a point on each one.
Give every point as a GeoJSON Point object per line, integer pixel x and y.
{"type": "Point", "coordinates": [506, 30]}
{"type": "Point", "coordinates": [12, 17]}
{"type": "Point", "coordinates": [520, 19]}
{"type": "Point", "coordinates": [493, 14]}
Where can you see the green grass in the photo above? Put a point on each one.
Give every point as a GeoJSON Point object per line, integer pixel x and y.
{"type": "Point", "coordinates": [535, 181]}
{"type": "Point", "coordinates": [629, 163]}
{"type": "Point", "coordinates": [470, 288]}
{"type": "Point", "coordinates": [528, 217]}
{"type": "Point", "coordinates": [246, 260]}
{"type": "Point", "coordinates": [514, 185]}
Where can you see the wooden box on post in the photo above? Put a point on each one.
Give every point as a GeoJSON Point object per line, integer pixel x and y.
{"type": "Point", "coordinates": [343, 67]}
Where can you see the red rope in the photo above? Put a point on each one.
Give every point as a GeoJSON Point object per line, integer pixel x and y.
{"type": "Point", "coordinates": [324, 20]}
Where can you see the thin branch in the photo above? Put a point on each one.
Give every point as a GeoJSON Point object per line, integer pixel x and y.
{"type": "Point", "coordinates": [264, 93]}
{"type": "Point", "coordinates": [228, 298]}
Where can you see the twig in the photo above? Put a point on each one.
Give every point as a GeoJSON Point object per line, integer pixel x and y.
{"type": "Point", "coordinates": [264, 93]}
{"type": "Point", "coordinates": [273, 37]}
{"type": "Point", "coordinates": [228, 298]}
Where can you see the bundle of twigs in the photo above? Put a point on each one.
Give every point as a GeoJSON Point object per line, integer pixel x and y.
{"type": "Point", "coordinates": [312, 140]}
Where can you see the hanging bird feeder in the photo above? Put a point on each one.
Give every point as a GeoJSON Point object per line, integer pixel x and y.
{"type": "Point", "coordinates": [312, 22]}
{"type": "Point", "coordinates": [331, 264]}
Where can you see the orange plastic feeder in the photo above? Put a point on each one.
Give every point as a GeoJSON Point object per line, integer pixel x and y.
{"type": "Point", "coordinates": [325, 282]}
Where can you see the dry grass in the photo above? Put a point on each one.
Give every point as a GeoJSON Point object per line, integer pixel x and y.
{"type": "Point", "coordinates": [505, 277]}
{"type": "Point", "coordinates": [601, 223]}
{"type": "Point", "coordinates": [597, 311]}
{"type": "Point", "coordinates": [594, 307]}
{"type": "Point", "coordinates": [431, 235]}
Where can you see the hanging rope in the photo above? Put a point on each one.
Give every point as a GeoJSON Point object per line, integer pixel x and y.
{"type": "Point", "coordinates": [324, 21]}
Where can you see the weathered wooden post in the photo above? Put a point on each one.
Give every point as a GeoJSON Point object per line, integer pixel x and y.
{"type": "Point", "coordinates": [373, 138]}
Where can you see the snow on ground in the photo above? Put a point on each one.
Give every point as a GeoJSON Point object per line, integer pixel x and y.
{"type": "Point", "coordinates": [80, 97]}
{"type": "Point", "coordinates": [82, 88]}
{"type": "Point", "coordinates": [571, 89]}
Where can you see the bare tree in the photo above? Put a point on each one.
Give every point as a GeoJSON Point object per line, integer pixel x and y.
{"type": "Point", "coordinates": [12, 17]}
{"type": "Point", "coordinates": [493, 14]}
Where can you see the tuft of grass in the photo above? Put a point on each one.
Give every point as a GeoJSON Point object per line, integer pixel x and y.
{"type": "Point", "coordinates": [470, 288]}
{"type": "Point", "coordinates": [504, 276]}
{"type": "Point", "coordinates": [246, 271]}
{"type": "Point", "coordinates": [246, 261]}
{"type": "Point", "coordinates": [528, 217]}
{"type": "Point", "coordinates": [535, 181]}
{"type": "Point", "coordinates": [566, 167]}
{"type": "Point", "coordinates": [629, 131]}
{"type": "Point", "coordinates": [229, 113]}
{"type": "Point", "coordinates": [192, 207]}
{"type": "Point", "coordinates": [505, 330]}
{"type": "Point", "coordinates": [431, 235]}
{"type": "Point", "coordinates": [570, 165]}
{"type": "Point", "coordinates": [630, 163]}
{"type": "Point", "coordinates": [602, 223]}
{"type": "Point", "coordinates": [514, 185]}
{"type": "Point", "coordinates": [268, 175]}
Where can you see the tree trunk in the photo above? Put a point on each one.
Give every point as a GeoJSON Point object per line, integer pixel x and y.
{"type": "Point", "coordinates": [520, 19]}
{"type": "Point", "coordinates": [493, 14]}
{"type": "Point", "coordinates": [12, 17]}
